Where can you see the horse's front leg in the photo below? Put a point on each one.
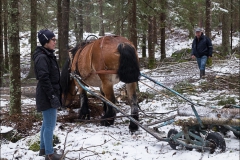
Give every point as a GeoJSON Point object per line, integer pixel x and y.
{"type": "Point", "coordinates": [132, 97]}
{"type": "Point", "coordinates": [109, 112]}
{"type": "Point", "coordinates": [84, 112]}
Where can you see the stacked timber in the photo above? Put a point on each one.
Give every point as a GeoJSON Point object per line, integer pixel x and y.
{"type": "Point", "coordinates": [225, 116]}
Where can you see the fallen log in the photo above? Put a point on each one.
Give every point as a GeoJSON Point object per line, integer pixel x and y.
{"type": "Point", "coordinates": [191, 121]}
{"type": "Point", "coordinates": [229, 113]}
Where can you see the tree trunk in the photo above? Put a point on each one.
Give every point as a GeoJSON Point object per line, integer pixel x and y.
{"type": "Point", "coordinates": [6, 60]}
{"type": "Point", "coordinates": [208, 19]}
{"type": "Point", "coordinates": [88, 18]}
{"type": "Point", "coordinates": [101, 25]}
{"type": "Point", "coordinates": [31, 73]}
{"type": "Point", "coordinates": [14, 59]}
{"type": "Point", "coordinates": [151, 47]}
{"type": "Point", "coordinates": [200, 14]}
{"type": "Point", "coordinates": [225, 29]}
{"type": "Point", "coordinates": [65, 30]}
{"type": "Point", "coordinates": [144, 46]}
{"type": "Point", "coordinates": [78, 24]}
{"type": "Point", "coordinates": [207, 121]}
{"type": "Point", "coordinates": [155, 30]}
{"type": "Point", "coordinates": [118, 23]}
{"type": "Point", "coordinates": [132, 22]}
{"type": "Point", "coordinates": [209, 112]}
{"type": "Point", "coordinates": [1, 45]}
{"type": "Point", "coordinates": [59, 25]}
{"type": "Point", "coordinates": [163, 25]}
{"type": "Point", "coordinates": [236, 15]}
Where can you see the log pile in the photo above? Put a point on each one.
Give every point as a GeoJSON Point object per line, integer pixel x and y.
{"type": "Point", "coordinates": [225, 116]}
{"type": "Point", "coordinates": [229, 113]}
{"type": "Point", "coordinates": [206, 121]}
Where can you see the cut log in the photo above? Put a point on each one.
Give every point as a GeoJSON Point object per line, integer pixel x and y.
{"type": "Point", "coordinates": [228, 113]}
{"type": "Point", "coordinates": [191, 121]}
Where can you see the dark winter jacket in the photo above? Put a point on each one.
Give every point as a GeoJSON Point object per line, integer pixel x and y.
{"type": "Point", "coordinates": [48, 76]}
{"type": "Point", "coordinates": [202, 47]}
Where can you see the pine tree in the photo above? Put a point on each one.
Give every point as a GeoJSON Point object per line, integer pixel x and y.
{"type": "Point", "coordinates": [33, 35]}
{"type": "Point", "coordinates": [14, 58]}
{"type": "Point", "coordinates": [1, 45]}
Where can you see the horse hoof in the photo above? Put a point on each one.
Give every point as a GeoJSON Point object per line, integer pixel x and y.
{"type": "Point", "coordinates": [133, 127]}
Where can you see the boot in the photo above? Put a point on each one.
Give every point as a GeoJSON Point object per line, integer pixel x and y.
{"type": "Point", "coordinates": [201, 74]}
{"type": "Point", "coordinates": [42, 152]}
{"type": "Point", "coordinates": [204, 73]}
{"type": "Point", "coordinates": [53, 156]}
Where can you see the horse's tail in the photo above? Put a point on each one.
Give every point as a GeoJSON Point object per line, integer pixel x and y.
{"type": "Point", "coordinates": [128, 70]}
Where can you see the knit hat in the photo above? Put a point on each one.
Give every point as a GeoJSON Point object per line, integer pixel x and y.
{"type": "Point", "coordinates": [198, 30]}
{"type": "Point", "coordinates": [44, 36]}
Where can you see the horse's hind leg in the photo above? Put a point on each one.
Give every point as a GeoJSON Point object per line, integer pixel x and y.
{"type": "Point", "coordinates": [109, 111]}
{"type": "Point", "coordinates": [84, 112]}
{"type": "Point", "coordinates": [131, 91]}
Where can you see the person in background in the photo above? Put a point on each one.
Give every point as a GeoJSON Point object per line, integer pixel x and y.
{"type": "Point", "coordinates": [48, 91]}
{"type": "Point", "coordinates": [201, 50]}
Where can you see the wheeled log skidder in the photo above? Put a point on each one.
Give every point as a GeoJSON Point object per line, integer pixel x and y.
{"type": "Point", "coordinates": [196, 131]}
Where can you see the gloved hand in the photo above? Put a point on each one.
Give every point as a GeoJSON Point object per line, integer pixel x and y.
{"type": "Point", "coordinates": [55, 103]}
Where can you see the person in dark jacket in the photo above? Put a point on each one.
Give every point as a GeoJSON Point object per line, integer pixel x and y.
{"type": "Point", "coordinates": [201, 50]}
{"type": "Point", "coordinates": [48, 91]}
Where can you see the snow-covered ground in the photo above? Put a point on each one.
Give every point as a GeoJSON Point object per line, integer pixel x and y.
{"type": "Point", "coordinates": [95, 142]}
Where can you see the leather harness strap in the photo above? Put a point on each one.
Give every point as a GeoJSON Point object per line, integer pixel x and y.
{"type": "Point", "coordinates": [106, 72]}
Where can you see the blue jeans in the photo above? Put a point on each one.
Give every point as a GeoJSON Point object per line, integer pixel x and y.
{"type": "Point", "coordinates": [48, 125]}
{"type": "Point", "coordinates": [202, 62]}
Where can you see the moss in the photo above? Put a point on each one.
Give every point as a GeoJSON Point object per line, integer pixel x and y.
{"type": "Point", "coordinates": [35, 143]}
{"type": "Point", "coordinates": [228, 100]}
{"type": "Point", "coordinates": [184, 87]}
{"type": "Point", "coordinates": [35, 146]}
{"type": "Point", "coordinates": [55, 140]}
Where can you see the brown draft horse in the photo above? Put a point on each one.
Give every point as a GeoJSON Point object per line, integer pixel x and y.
{"type": "Point", "coordinates": [103, 63]}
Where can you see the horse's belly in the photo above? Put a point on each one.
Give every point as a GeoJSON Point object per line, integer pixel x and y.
{"type": "Point", "coordinates": [93, 80]}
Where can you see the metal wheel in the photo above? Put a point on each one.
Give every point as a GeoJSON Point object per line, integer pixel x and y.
{"type": "Point", "coordinates": [237, 135]}
{"type": "Point", "coordinates": [172, 133]}
{"type": "Point", "coordinates": [223, 130]}
{"type": "Point", "coordinates": [217, 141]}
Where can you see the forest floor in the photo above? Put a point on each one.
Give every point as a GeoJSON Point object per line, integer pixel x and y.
{"type": "Point", "coordinates": [89, 140]}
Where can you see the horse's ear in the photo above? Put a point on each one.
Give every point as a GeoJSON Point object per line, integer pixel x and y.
{"type": "Point", "coordinates": [70, 56]}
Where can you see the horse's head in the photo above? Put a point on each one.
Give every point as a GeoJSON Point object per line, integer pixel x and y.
{"type": "Point", "coordinates": [67, 84]}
